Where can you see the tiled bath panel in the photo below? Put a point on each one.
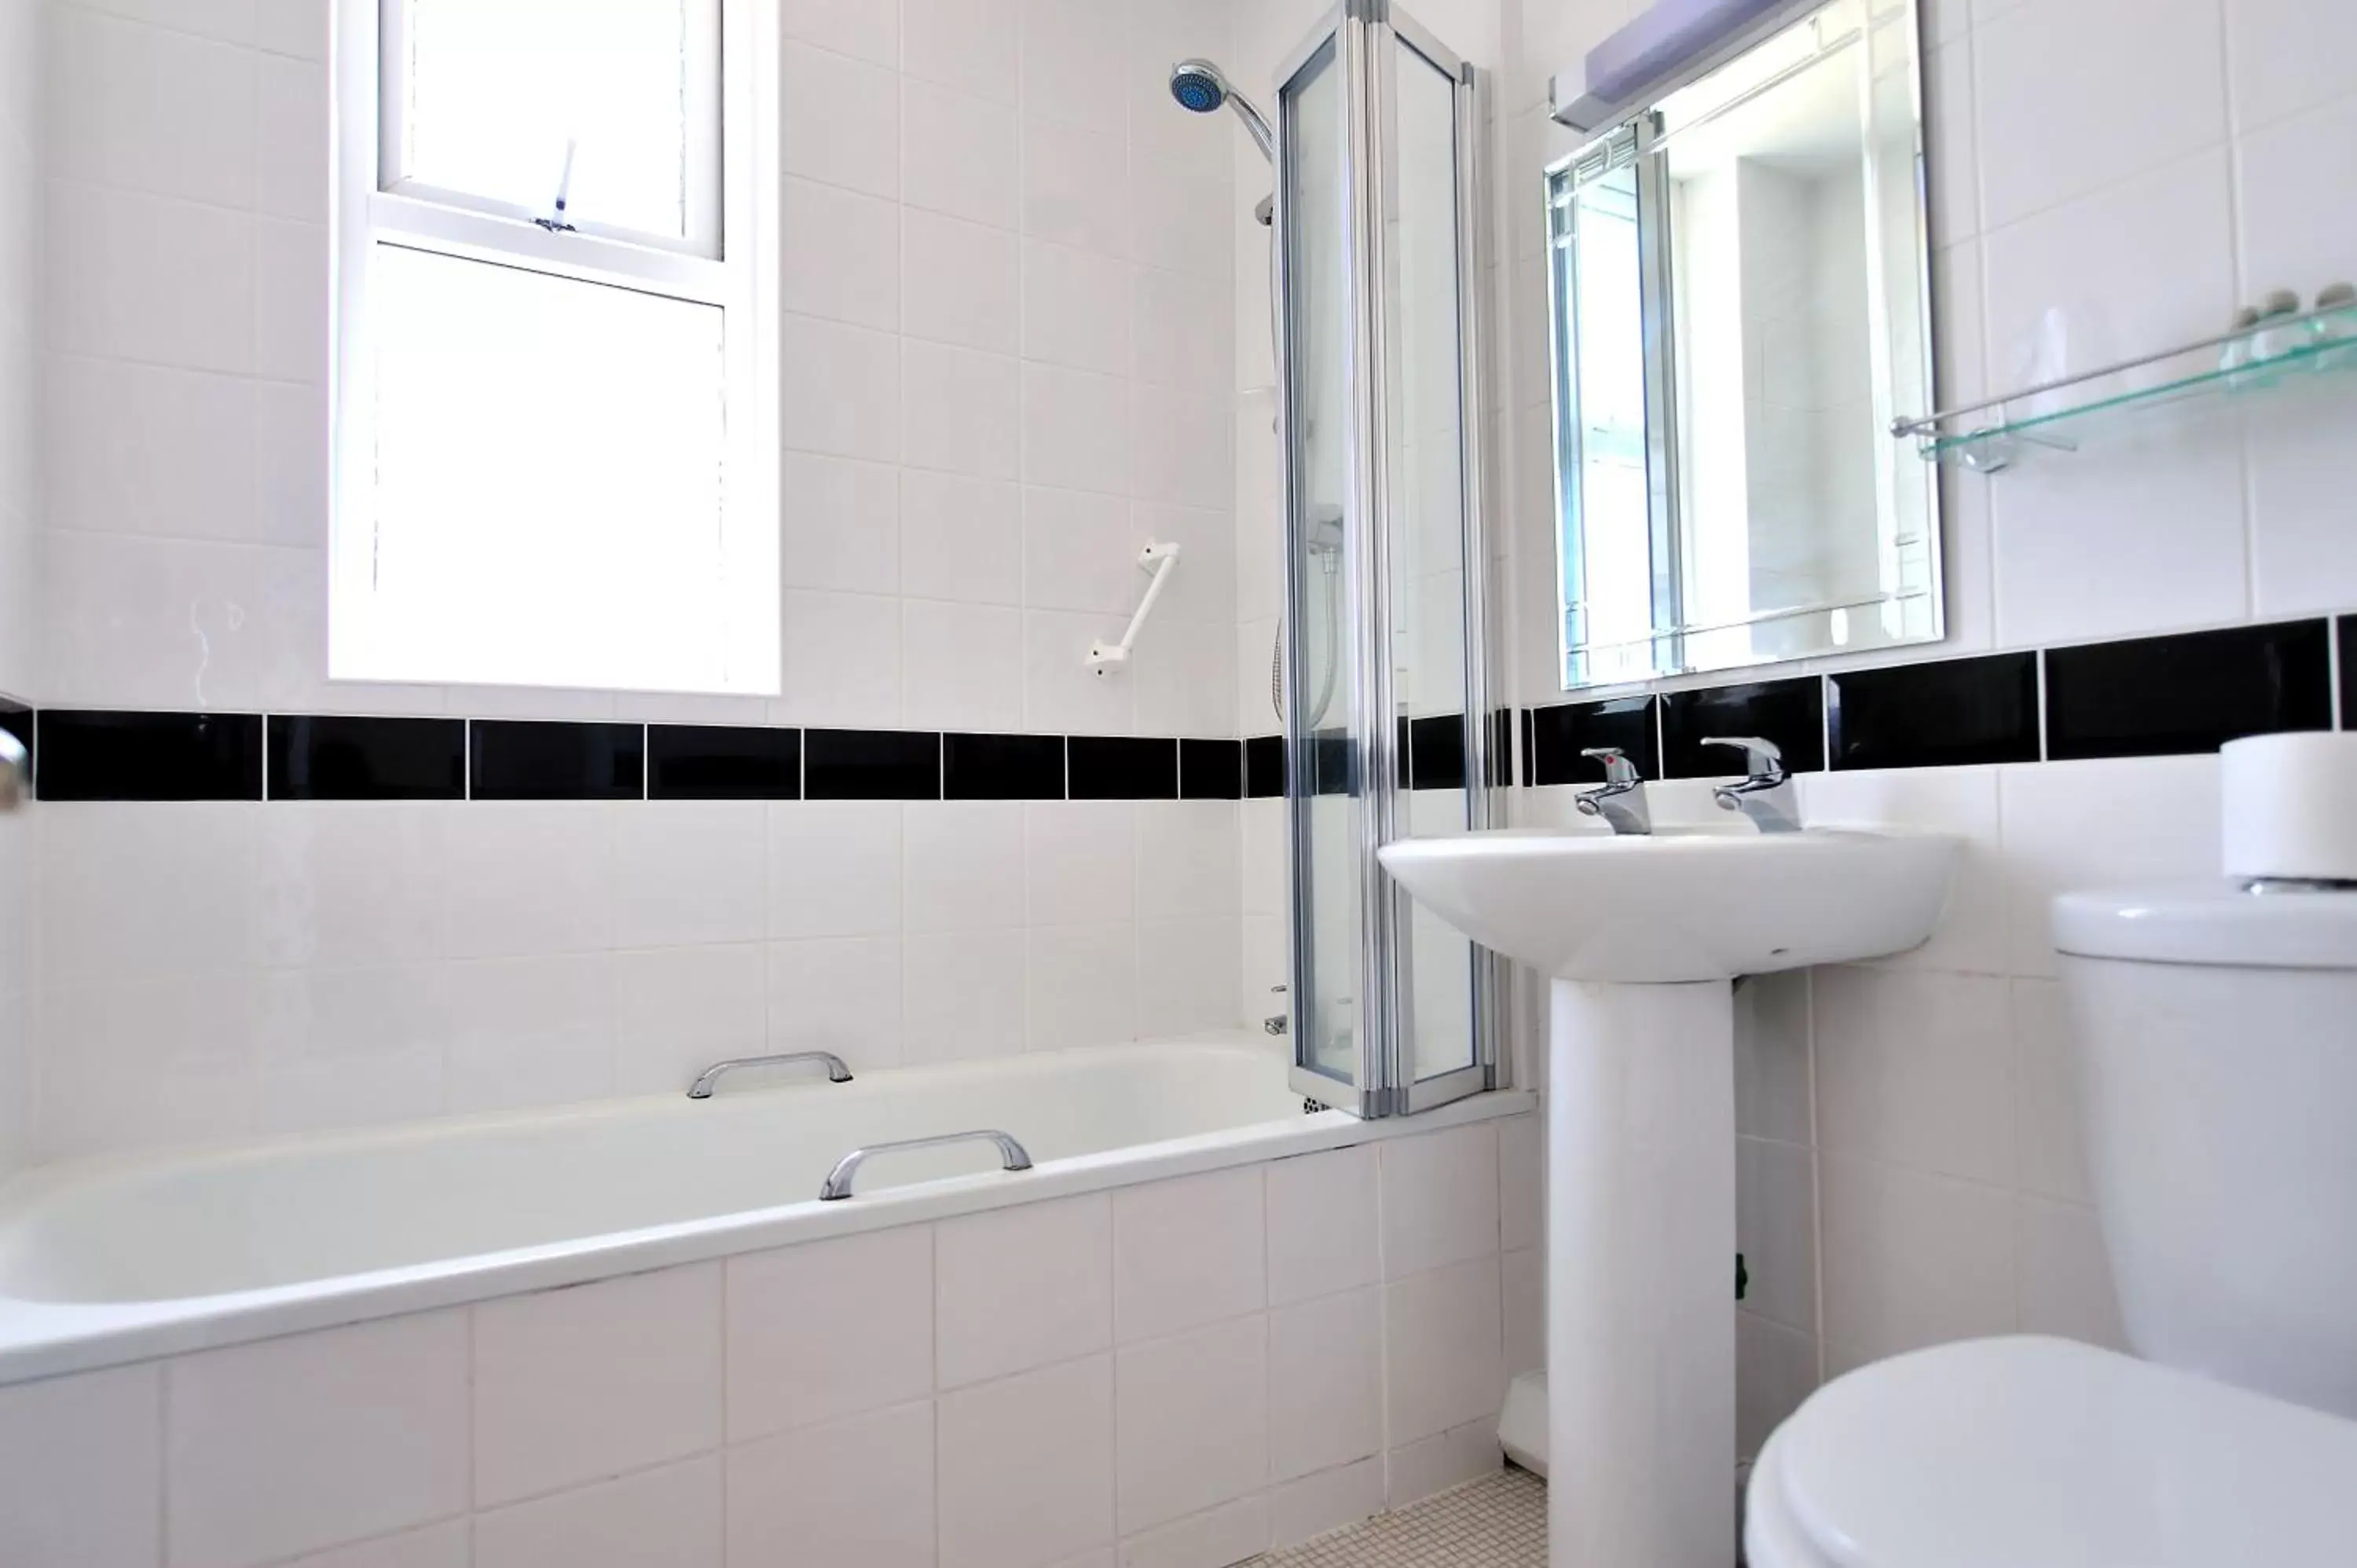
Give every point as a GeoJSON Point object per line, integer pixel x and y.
{"type": "Point", "coordinates": [1192, 1371]}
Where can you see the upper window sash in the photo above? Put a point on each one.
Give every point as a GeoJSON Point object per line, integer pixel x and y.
{"type": "Point", "coordinates": [705, 201]}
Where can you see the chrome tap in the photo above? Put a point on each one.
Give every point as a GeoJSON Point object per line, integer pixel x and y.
{"type": "Point", "coordinates": [1766, 795]}
{"type": "Point", "coordinates": [1621, 800]}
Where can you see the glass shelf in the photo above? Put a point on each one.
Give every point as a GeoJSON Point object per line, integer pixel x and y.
{"type": "Point", "coordinates": [2200, 378]}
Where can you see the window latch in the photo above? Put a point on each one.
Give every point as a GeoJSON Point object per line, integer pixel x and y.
{"type": "Point", "coordinates": [555, 222]}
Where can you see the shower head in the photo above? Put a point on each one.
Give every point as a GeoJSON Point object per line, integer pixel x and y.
{"type": "Point", "coordinates": [1201, 87]}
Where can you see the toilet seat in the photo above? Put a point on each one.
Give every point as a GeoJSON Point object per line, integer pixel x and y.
{"type": "Point", "coordinates": [2036, 1452]}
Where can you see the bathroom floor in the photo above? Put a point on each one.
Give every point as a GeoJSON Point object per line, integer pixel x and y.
{"type": "Point", "coordinates": [1498, 1522]}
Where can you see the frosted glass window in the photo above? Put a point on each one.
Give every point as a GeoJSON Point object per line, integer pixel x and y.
{"type": "Point", "coordinates": [493, 93]}
{"type": "Point", "coordinates": [549, 480]}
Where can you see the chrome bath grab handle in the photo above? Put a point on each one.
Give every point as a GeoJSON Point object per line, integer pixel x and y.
{"type": "Point", "coordinates": [836, 1072]}
{"type": "Point", "coordinates": [1011, 1156]}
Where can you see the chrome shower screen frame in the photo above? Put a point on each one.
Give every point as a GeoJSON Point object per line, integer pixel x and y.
{"type": "Point", "coordinates": [1346, 783]}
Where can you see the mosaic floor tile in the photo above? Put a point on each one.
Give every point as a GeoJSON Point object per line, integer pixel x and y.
{"type": "Point", "coordinates": [1498, 1522]}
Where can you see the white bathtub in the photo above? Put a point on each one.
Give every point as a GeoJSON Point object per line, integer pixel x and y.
{"type": "Point", "coordinates": [117, 1260]}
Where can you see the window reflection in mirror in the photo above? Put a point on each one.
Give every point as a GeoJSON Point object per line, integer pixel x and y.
{"type": "Point", "coordinates": [1740, 308]}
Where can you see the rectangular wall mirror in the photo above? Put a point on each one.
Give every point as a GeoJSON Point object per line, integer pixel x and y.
{"type": "Point", "coordinates": [1741, 307]}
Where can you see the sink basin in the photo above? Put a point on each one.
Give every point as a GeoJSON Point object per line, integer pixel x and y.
{"type": "Point", "coordinates": [1642, 938]}
{"type": "Point", "coordinates": [1682, 905]}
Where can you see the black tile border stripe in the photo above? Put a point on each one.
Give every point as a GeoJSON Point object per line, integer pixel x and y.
{"type": "Point", "coordinates": [1943, 710]}
{"type": "Point", "coordinates": [1949, 710]}
{"type": "Point", "coordinates": [716, 762]}
{"type": "Point", "coordinates": [87, 754]}
{"type": "Point", "coordinates": [336, 757]}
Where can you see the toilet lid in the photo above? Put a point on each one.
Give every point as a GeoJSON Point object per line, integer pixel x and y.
{"type": "Point", "coordinates": [2034, 1453]}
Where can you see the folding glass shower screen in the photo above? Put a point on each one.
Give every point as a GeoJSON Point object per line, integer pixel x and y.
{"type": "Point", "coordinates": [1387, 732]}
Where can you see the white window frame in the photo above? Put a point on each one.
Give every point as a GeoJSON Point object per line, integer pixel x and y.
{"type": "Point", "coordinates": [727, 259]}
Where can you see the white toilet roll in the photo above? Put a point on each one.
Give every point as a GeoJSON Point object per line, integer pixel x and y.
{"type": "Point", "coordinates": [2289, 803]}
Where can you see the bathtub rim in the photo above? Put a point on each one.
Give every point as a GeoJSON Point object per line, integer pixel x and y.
{"type": "Point", "coordinates": [45, 1339]}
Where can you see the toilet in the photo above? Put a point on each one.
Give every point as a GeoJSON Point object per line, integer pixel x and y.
{"type": "Point", "coordinates": [2216, 1033]}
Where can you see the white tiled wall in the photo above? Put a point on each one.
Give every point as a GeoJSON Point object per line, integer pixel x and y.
{"type": "Point", "coordinates": [2140, 170]}
{"type": "Point", "coordinates": [1007, 277]}
{"type": "Point", "coordinates": [1189, 1371]}
{"type": "Point", "coordinates": [219, 969]}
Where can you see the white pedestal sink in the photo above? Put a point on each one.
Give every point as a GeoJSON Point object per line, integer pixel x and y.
{"type": "Point", "coordinates": [1643, 938]}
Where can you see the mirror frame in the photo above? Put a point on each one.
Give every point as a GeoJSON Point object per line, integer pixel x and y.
{"type": "Point", "coordinates": [1633, 137]}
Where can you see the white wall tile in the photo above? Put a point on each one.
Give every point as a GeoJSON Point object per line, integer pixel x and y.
{"type": "Point", "coordinates": [842, 251]}
{"type": "Point", "coordinates": [1912, 1259]}
{"type": "Point", "coordinates": [1443, 1350]}
{"type": "Point", "coordinates": [1521, 1182]}
{"type": "Point", "coordinates": [1021, 1287]}
{"type": "Point", "coordinates": [1027, 1466]}
{"type": "Point", "coordinates": [1192, 1422]}
{"type": "Point", "coordinates": [972, 45]}
{"type": "Point", "coordinates": [1323, 1232]}
{"type": "Point", "coordinates": [2284, 55]}
{"type": "Point", "coordinates": [2064, 1275]}
{"type": "Point", "coordinates": [959, 411]}
{"type": "Point", "coordinates": [1075, 430]}
{"type": "Point", "coordinates": [141, 277]}
{"type": "Point", "coordinates": [1189, 974]}
{"type": "Point", "coordinates": [960, 282]}
{"type": "Point", "coordinates": [1188, 1252]}
{"type": "Point", "coordinates": [1073, 185]}
{"type": "Point", "coordinates": [839, 119]}
{"type": "Point", "coordinates": [1072, 64]}
{"type": "Point", "coordinates": [314, 1440]}
{"type": "Point", "coordinates": [2051, 1136]}
{"type": "Point", "coordinates": [1774, 1090]}
{"type": "Point", "coordinates": [571, 1385]}
{"type": "Point", "coordinates": [84, 1481]}
{"type": "Point", "coordinates": [1776, 1231]}
{"type": "Point", "coordinates": [960, 154]}
{"type": "Point", "coordinates": [1914, 1068]}
{"type": "Point", "coordinates": [1523, 1285]}
{"type": "Point", "coordinates": [859, 1491]}
{"type": "Point", "coordinates": [1433, 1464]}
{"type": "Point", "coordinates": [1215, 1538]}
{"type": "Point", "coordinates": [829, 1329]}
{"type": "Point", "coordinates": [1310, 1507]}
{"type": "Point", "coordinates": [856, 27]}
{"type": "Point", "coordinates": [843, 389]}
{"type": "Point", "coordinates": [1076, 310]}
{"type": "Point", "coordinates": [1775, 1369]}
{"type": "Point", "coordinates": [962, 996]}
{"type": "Point", "coordinates": [961, 539]}
{"type": "Point", "coordinates": [2162, 94]}
{"type": "Point", "coordinates": [1080, 984]}
{"type": "Point", "coordinates": [670, 1515]}
{"type": "Point", "coordinates": [839, 995]}
{"type": "Point", "coordinates": [962, 666]}
{"type": "Point", "coordinates": [1188, 859]}
{"type": "Point", "coordinates": [1325, 1389]}
{"type": "Point", "coordinates": [960, 858]}
{"type": "Point", "coordinates": [529, 1031]}
{"type": "Point", "coordinates": [842, 661]}
{"type": "Point", "coordinates": [835, 868]}
{"type": "Point", "coordinates": [840, 524]}
{"type": "Point", "coordinates": [679, 1010]}
{"type": "Point", "coordinates": [524, 878]}
{"type": "Point", "coordinates": [1080, 861]}
{"type": "Point", "coordinates": [689, 871]}
{"type": "Point", "coordinates": [1440, 1198]}
{"type": "Point", "coordinates": [445, 1545]}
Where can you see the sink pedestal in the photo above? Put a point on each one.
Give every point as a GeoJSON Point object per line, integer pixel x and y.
{"type": "Point", "coordinates": [1640, 1275]}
